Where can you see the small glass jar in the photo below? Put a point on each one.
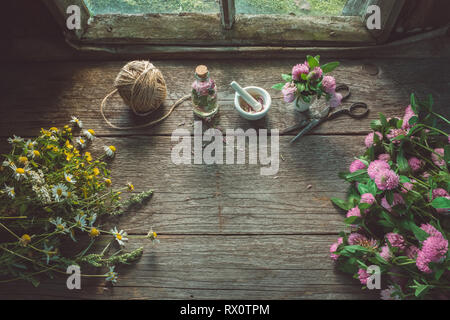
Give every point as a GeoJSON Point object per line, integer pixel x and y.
{"type": "Point", "coordinates": [204, 94]}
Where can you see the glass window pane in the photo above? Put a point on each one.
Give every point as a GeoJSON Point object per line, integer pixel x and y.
{"type": "Point", "coordinates": [297, 7]}
{"type": "Point", "coordinates": [151, 6]}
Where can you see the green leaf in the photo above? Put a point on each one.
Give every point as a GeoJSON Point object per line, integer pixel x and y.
{"type": "Point", "coordinates": [421, 290]}
{"type": "Point", "coordinates": [413, 120]}
{"type": "Point", "coordinates": [286, 77]}
{"type": "Point", "coordinates": [375, 125]}
{"type": "Point", "coordinates": [404, 179]}
{"type": "Point", "coordinates": [383, 120]}
{"type": "Point", "coordinates": [326, 68]}
{"type": "Point", "coordinates": [312, 62]}
{"type": "Point", "coordinates": [300, 87]}
{"type": "Point", "coordinates": [278, 86]}
{"type": "Point", "coordinates": [344, 205]}
{"type": "Point", "coordinates": [439, 273]}
{"type": "Point", "coordinates": [390, 197]}
{"type": "Point", "coordinates": [304, 76]}
{"type": "Point", "coordinates": [359, 176]}
{"type": "Point", "coordinates": [351, 220]}
{"type": "Point", "coordinates": [418, 233]}
{"type": "Point", "coordinates": [372, 187]}
{"type": "Point", "coordinates": [441, 203]}
{"type": "Point", "coordinates": [362, 188]}
{"type": "Point", "coordinates": [402, 163]}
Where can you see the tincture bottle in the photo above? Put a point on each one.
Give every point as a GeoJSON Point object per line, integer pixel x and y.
{"type": "Point", "coordinates": [204, 94]}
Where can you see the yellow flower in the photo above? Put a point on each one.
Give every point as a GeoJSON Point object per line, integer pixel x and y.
{"type": "Point", "coordinates": [94, 232]}
{"type": "Point", "coordinates": [23, 159]}
{"type": "Point", "coordinates": [154, 235]}
{"type": "Point", "coordinates": [54, 129]}
{"type": "Point", "coordinates": [20, 171]}
{"type": "Point", "coordinates": [68, 145]}
{"type": "Point", "coordinates": [36, 153]}
{"type": "Point", "coordinates": [55, 149]}
{"type": "Point", "coordinates": [130, 186]}
{"type": "Point", "coordinates": [108, 182]}
{"type": "Point", "coordinates": [45, 132]}
{"type": "Point", "coordinates": [69, 155]}
{"type": "Point", "coordinates": [96, 171]}
{"type": "Point", "coordinates": [25, 239]}
{"type": "Point", "coordinates": [88, 156]}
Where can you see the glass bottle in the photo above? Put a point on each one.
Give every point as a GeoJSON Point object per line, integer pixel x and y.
{"type": "Point", "coordinates": [204, 94]}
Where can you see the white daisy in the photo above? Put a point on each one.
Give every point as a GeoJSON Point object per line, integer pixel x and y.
{"type": "Point", "coordinates": [10, 192]}
{"type": "Point", "coordinates": [69, 178]}
{"type": "Point", "coordinates": [34, 153]}
{"type": "Point", "coordinates": [81, 142]}
{"type": "Point", "coordinates": [60, 225]}
{"type": "Point", "coordinates": [90, 134]}
{"type": "Point", "coordinates": [59, 192]}
{"type": "Point", "coordinates": [15, 139]}
{"type": "Point", "coordinates": [7, 163]}
{"type": "Point", "coordinates": [30, 144]}
{"type": "Point", "coordinates": [110, 151]}
{"type": "Point", "coordinates": [120, 236]}
{"type": "Point", "coordinates": [19, 173]}
{"type": "Point", "coordinates": [77, 122]}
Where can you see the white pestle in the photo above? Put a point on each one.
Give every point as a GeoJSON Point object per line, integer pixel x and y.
{"type": "Point", "coordinates": [246, 96]}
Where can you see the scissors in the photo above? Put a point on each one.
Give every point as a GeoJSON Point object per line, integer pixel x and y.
{"type": "Point", "coordinates": [357, 110]}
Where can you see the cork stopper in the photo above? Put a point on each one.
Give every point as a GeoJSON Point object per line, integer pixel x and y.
{"type": "Point", "coordinates": [201, 71]}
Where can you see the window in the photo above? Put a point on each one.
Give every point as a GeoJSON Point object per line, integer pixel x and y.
{"type": "Point", "coordinates": [151, 6]}
{"type": "Point", "coordinates": [226, 23]}
{"type": "Point", "coordinates": [292, 7]}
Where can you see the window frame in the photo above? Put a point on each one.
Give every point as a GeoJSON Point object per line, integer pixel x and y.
{"type": "Point", "coordinates": [227, 28]}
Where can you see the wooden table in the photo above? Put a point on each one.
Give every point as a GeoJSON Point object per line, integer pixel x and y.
{"type": "Point", "coordinates": [226, 231]}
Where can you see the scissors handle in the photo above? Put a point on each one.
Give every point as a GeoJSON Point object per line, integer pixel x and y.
{"type": "Point", "coordinates": [346, 88]}
{"type": "Point", "coordinates": [357, 110]}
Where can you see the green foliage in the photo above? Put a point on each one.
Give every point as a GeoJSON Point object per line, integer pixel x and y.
{"type": "Point", "coordinates": [419, 198]}
{"type": "Point", "coordinates": [53, 197]}
{"type": "Point", "coordinates": [308, 85]}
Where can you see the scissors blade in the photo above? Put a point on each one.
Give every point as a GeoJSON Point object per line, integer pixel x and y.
{"type": "Point", "coordinates": [299, 125]}
{"type": "Point", "coordinates": [308, 128]}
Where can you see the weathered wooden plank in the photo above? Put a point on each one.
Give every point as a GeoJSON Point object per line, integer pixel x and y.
{"type": "Point", "coordinates": [231, 199]}
{"type": "Point", "coordinates": [206, 29]}
{"type": "Point", "coordinates": [219, 267]}
{"type": "Point", "coordinates": [39, 95]}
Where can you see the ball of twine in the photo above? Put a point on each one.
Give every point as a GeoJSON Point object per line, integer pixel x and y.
{"type": "Point", "coordinates": [141, 86]}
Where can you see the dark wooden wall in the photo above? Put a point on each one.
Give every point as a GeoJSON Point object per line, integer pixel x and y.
{"type": "Point", "coordinates": [421, 15]}
{"type": "Point", "coordinates": [31, 32]}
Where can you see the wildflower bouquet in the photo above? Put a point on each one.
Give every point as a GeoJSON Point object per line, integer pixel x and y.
{"type": "Point", "coordinates": [308, 80]}
{"type": "Point", "coordinates": [398, 206]}
{"type": "Point", "coordinates": [53, 196]}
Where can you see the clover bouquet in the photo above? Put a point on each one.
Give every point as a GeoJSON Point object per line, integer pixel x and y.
{"type": "Point", "coordinates": [309, 80]}
{"type": "Point", "coordinates": [53, 196]}
{"type": "Point", "coordinates": [398, 206]}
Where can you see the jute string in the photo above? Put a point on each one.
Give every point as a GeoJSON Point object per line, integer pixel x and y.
{"type": "Point", "coordinates": [143, 88]}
